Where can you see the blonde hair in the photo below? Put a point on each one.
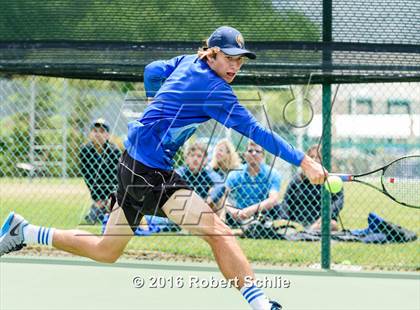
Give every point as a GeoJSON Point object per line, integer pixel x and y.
{"type": "Point", "coordinates": [205, 52]}
{"type": "Point", "coordinates": [231, 162]}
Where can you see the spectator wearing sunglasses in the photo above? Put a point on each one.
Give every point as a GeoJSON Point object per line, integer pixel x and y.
{"type": "Point", "coordinates": [254, 188]}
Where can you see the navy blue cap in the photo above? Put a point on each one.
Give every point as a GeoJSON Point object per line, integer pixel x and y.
{"type": "Point", "coordinates": [230, 41]}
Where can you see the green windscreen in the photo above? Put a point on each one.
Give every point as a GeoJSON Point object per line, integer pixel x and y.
{"type": "Point", "coordinates": [377, 40]}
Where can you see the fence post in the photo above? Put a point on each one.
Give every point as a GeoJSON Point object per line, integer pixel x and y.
{"type": "Point", "coordinates": [32, 121]}
{"type": "Point", "coordinates": [326, 161]}
{"type": "Point", "coordinates": [65, 113]}
{"type": "Point", "coordinates": [326, 132]}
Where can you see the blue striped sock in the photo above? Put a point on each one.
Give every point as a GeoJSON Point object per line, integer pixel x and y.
{"type": "Point", "coordinates": [38, 235]}
{"type": "Point", "coordinates": [255, 297]}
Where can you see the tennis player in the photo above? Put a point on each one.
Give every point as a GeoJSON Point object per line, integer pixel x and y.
{"type": "Point", "coordinates": [187, 90]}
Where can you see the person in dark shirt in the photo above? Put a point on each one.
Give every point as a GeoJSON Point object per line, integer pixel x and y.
{"type": "Point", "coordinates": [98, 165]}
{"type": "Point", "coordinates": [205, 182]}
{"type": "Point", "coordinates": [195, 173]}
{"type": "Point", "coordinates": [302, 200]}
{"type": "Point", "coordinates": [198, 177]}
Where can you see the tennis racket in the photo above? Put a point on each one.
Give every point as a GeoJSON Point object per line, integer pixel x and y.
{"type": "Point", "coordinates": [400, 180]}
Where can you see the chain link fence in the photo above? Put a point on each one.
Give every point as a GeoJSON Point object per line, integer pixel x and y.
{"type": "Point", "coordinates": [53, 172]}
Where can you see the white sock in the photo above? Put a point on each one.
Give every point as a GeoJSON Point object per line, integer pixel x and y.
{"type": "Point", "coordinates": [255, 297]}
{"type": "Point", "coordinates": [38, 235]}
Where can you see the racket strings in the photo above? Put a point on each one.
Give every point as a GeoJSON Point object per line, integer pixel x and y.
{"type": "Point", "coordinates": [402, 180]}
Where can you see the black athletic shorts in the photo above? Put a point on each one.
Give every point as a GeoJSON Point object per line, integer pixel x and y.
{"type": "Point", "coordinates": [143, 190]}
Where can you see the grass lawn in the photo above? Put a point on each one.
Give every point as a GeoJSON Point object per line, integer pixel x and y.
{"type": "Point", "coordinates": [63, 203]}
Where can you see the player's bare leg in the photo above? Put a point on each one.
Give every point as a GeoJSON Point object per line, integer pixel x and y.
{"type": "Point", "coordinates": [16, 232]}
{"type": "Point", "coordinates": [107, 248]}
{"type": "Point", "coordinates": [187, 209]}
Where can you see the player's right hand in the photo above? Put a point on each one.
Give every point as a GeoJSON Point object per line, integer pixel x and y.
{"type": "Point", "coordinates": [313, 170]}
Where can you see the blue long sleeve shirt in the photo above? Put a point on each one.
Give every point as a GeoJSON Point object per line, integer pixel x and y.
{"type": "Point", "coordinates": [188, 92]}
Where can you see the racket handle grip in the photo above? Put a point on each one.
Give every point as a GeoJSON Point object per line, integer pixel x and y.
{"type": "Point", "coordinates": [342, 176]}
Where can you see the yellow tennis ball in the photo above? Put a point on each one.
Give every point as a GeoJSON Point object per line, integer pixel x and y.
{"type": "Point", "coordinates": [334, 184]}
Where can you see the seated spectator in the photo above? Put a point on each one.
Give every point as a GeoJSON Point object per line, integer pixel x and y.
{"type": "Point", "coordinates": [225, 158]}
{"type": "Point", "coordinates": [254, 188]}
{"type": "Point", "coordinates": [194, 172]}
{"type": "Point", "coordinates": [302, 200]}
{"type": "Point", "coordinates": [98, 164]}
{"type": "Point", "coordinates": [200, 179]}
